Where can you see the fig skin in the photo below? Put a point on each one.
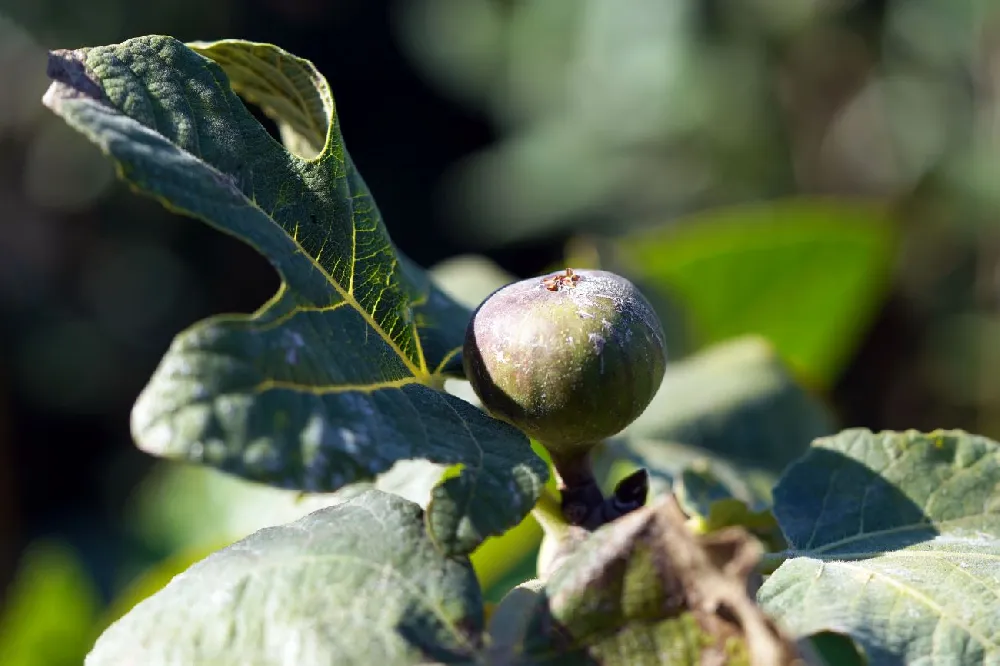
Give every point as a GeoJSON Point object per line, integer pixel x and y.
{"type": "Point", "coordinates": [569, 358]}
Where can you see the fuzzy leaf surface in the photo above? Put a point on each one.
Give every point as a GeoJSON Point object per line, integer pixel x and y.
{"type": "Point", "coordinates": [357, 583]}
{"type": "Point", "coordinates": [894, 539]}
{"type": "Point", "coordinates": [339, 375]}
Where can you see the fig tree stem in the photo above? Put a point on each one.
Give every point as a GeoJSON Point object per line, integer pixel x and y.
{"type": "Point", "coordinates": [581, 496]}
{"type": "Point", "coordinates": [583, 503]}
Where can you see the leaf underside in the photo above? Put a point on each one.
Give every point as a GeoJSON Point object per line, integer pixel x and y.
{"type": "Point", "coordinates": [339, 375]}
{"type": "Point", "coordinates": [357, 583]}
{"type": "Point", "coordinates": [895, 540]}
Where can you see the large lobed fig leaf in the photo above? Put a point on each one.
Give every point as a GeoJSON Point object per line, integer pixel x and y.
{"type": "Point", "coordinates": [357, 583]}
{"type": "Point", "coordinates": [362, 583]}
{"type": "Point", "coordinates": [339, 375]}
{"type": "Point", "coordinates": [894, 540]}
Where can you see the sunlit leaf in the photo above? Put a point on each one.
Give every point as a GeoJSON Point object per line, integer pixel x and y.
{"type": "Point", "coordinates": [338, 376]}
{"type": "Point", "coordinates": [894, 540]}
{"type": "Point", "coordinates": [806, 274]}
{"type": "Point", "coordinates": [289, 90]}
{"type": "Point", "coordinates": [357, 583]}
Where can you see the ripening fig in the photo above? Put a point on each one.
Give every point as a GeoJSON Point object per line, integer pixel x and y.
{"type": "Point", "coordinates": [570, 358]}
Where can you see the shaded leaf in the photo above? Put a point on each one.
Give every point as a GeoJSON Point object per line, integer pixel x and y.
{"type": "Point", "coordinates": [736, 399]}
{"type": "Point", "coordinates": [338, 376]}
{"type": "Point", "coordinates": [510, 559]}
{"type": "Point", "coordinates": [807, 274]}
{"type": "Point", "coordinates": [508, 623]}
{"type": "Point", "coordinates": [700, 490]}
{"type": "Point", "coordinates": [713, 505]}
{"type": "Point", "coordinates": [836, 650]}
{"type": "Point", "coordinates": [50, 609]}
{"type": "Point", "coordinates": [895, 540]}
{"type": "Point", "coordinates": [732, 410]}
{"type": "Point", "coordinates": [644, 590]}
{"type": "Point", "coordinates": [357, 583]}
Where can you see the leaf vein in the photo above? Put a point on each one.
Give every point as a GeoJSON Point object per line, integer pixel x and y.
{"type": "Point", "coordinates": [276, 385]}
{"type": "Point", "coordinates": [925, 600]}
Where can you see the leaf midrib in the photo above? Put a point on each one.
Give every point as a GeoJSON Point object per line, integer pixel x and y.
{"type": "Point", "coordinates": [903, 529]}
{"type": "Point", "coordinates": [419, 371]}
{"type": "Point", "coordinates": [922, 598]}
{"type": "Point", "coordinates": [908, 553]}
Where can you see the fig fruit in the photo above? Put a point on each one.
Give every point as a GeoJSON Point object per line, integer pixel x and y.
{"type": "Point", "coordinates": [569, 358]}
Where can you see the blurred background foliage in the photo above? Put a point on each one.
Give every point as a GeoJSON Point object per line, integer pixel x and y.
{"type": "Point", "coordinates": [819, 172]}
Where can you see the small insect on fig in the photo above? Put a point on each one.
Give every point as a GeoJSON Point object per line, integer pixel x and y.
{"type": "Point", "coordinates": [570, 358]}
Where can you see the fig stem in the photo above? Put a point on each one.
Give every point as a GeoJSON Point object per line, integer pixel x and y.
{"type": "Point", "coordinates": [581, 496]}
{"type": "Point", "coordinates": [583, 504]}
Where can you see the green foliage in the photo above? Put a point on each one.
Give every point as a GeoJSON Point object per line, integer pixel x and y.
{"type": "Point", "coordinates": [894, 540]}
{"type": "Point", "coordinates": [806, 274]}
{"type": "Point", "coordinates": [714, 505]}
{"type": "Point", "coordinates": [332, 396]}
{"type": "Point", "coordinates": [734, 409]}
{"type": "Point", "coordinates": [152, 580]}
{"type": "Point", "coordinates": [736, 399]}
{"type": "Point", "coordinates": [356, 583]}
{"type": "Point", "coordinates": [50, 611]}
{"type": "Point", "coordinates": [179, 507]}
{"type": "Point", "coordinates": [338, 376]}
{"type": "Point", "coordinates": [287, 586]}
